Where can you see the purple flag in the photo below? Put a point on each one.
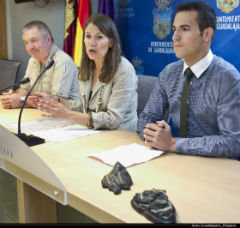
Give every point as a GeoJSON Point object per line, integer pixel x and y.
{"type": "Point", "coordinates": [107, 7]}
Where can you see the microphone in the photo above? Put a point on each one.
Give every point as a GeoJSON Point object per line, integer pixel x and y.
{"type": "Point", "coordinates": [31, 140]}
{"type": "Point", "coordinates": [22, 81]}
{"type": "Point", "coordinates": [47, 66]}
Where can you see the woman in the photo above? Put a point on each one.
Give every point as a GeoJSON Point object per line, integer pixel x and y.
{"type": "Point", "coordinates": [108, 82]}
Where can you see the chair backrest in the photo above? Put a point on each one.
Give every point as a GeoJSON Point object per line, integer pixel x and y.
{"type": "Point", "coordinates": [145, 86]}
{"type": "Point", "coordinates": [8, 72]}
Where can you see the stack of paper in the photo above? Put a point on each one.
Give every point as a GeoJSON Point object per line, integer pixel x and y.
{"type": "Point", "coordinates": [54, 130]}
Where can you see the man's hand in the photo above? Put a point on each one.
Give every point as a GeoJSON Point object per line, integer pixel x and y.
{"type": "Point", "coordinates": [10, 99]}
{"type": "Point", "coordinates": [32, 101]}
{"type": "Point", "coordinates": [159, 136]}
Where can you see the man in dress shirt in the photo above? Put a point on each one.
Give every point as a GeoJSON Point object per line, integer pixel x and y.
{"type": "Point", "coordinates": [214, 94]}
{"type": "Point", "coordinates": [60, 81]}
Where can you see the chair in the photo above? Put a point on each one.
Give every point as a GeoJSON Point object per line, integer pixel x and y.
{"type": "Point", "coordinates": [145, 86]}
{"type": "Point", "coordinates": [8, 72]}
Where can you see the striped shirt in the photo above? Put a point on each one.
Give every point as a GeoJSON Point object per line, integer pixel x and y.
{"type": "Point", "coordinates": [213, 113]}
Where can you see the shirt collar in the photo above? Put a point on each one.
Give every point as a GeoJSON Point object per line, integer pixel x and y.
{"type": "Point", "coordinates": [52, 52]}
{"type": "Point", "coordinates": [199, 67]}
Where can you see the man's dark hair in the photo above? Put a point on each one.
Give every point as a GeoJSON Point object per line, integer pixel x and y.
{"type": "Point", "coordinates": [206, 14]}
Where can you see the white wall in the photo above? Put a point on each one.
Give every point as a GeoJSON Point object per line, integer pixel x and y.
{"type": "Point", "coordinates": [20, 14]}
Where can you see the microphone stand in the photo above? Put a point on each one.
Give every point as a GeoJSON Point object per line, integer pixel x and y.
{"type": "Point", "coordinates": [23, 81]}
{"type": "Point", "coordinates": [31, 140]}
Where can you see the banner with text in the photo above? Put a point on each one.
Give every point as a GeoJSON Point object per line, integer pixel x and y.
{"type": "Point", "coordinates": [146, 33]}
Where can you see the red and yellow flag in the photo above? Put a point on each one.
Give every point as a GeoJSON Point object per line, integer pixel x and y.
{"type": "Point", "coordinates": [84, 12]}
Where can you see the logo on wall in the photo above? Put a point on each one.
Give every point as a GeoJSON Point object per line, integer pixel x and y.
{"type": "Point", "coordinates": [227, 6]}
{"type": "Point", "coordinates": [162, 19]}
{"type": "Point", "coordinates": [137, 63]}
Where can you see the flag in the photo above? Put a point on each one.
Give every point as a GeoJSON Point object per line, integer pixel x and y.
{"type": "Point", "coordinates": [107, 7]}
{"type": "Point", "coordinates": [70, 19]}
{"type": "Point", "coordinates": [84, 12]}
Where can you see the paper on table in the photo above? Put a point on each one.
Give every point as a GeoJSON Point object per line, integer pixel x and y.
{"type": "Point", "coordinates": [65, 133]}
{"type": "Point", "coordinates": [127, 155]}
{"type": "Point", "coordinates": [40, 124]}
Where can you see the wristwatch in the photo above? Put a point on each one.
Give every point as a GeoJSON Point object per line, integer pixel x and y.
{"type": "Point", "coordinates": [22, 99]}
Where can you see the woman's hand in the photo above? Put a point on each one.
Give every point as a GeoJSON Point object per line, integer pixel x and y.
{"type": "Point", "coordinates": [52, 108]}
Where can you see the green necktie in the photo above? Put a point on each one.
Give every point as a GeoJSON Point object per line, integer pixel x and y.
{"type": "Point", "coordinates": [184, 104]}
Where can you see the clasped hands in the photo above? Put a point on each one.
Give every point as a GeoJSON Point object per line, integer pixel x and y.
{"type": "Point", "coordinates": [158, 135]}
{"type": "Point", "coordinates": [11, 100]}
{"type": "Point", "coordinates": [44, 102]}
